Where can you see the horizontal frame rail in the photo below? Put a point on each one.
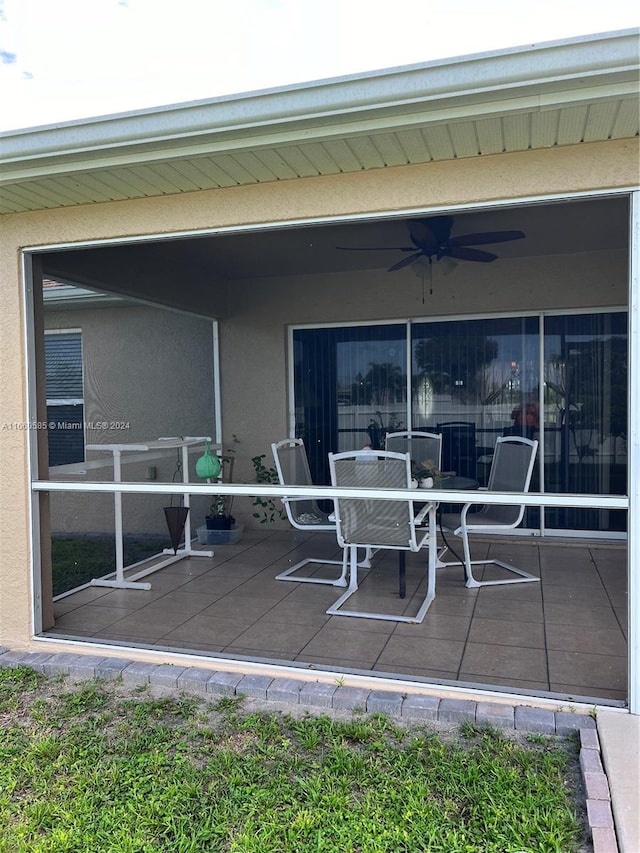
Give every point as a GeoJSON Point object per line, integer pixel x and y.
{"type": "Point", "coordinates": [329, 493]}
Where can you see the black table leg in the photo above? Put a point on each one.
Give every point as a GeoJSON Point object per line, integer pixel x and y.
{"type": "Point", "coordinates": [402, 574]}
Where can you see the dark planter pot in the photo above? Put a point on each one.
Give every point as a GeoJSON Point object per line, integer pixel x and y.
{"type": "Point", "coordinates": [219, 522]}
{"type": "Point", "coordinates": [176, 517]}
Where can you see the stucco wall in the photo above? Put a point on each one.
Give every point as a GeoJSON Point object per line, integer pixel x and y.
{"type": "Point", "coordinates": [150, 370]}
{"type": "Point", "coordinates": [509, 176]}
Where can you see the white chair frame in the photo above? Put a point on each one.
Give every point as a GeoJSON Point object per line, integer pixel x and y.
{"type": "Point", "coordinates": [291, 574]}
{"type": "Point", "coordinates": [418, 535]}
{"type": "Point", "coordinates": [465, 526]}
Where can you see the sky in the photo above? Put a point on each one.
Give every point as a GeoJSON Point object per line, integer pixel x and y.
{"type": "Point", "coordinates": [63, 60]}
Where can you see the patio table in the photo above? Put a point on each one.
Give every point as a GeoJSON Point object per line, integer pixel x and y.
{"type": "Point", "coordinates": [449, 483]}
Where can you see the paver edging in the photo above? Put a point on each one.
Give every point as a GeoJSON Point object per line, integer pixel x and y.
{"type": "Point", "coordinates": [524, 718]}
{"type": "Point", "coordinates": [597, 793]}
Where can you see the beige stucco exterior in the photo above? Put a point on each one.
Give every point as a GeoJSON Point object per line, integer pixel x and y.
{"type": "Point", "coordinates": [258, 311]}
{"type": "Point", "coordinates": [149, 372]}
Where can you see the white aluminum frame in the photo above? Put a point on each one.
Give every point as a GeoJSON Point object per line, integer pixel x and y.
{"type": "Point", "coordinates": [633, 462]}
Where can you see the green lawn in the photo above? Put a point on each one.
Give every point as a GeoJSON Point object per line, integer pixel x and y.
{"type": "Point", "coordinates": [100, 769]}
{"type": "Point", "coordinates": [77, 559]}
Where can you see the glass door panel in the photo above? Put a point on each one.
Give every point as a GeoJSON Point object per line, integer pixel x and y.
{"type": "Point", "coordinates": [350, 389]}
{"type": "Point", "coordinates": [474, 380]}
{"type": "Point", "coordinates": [585, 450]}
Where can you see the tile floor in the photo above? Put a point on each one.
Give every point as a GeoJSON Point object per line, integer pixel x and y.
{"type": "Point", "coordinates": [564, 636]}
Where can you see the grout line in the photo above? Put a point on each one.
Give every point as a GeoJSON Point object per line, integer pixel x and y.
{"type": "Point", "coordinates": [544, 621]}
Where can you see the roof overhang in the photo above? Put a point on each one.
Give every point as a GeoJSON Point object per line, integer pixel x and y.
{"type": "Point", "coordinates": [537, 96]}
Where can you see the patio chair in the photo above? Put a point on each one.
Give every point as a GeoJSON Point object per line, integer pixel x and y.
{"type": "Point", "coordinates": [292, 465]}
{"type": "Point", "coordinates": [511, 471]}
{"type": "Point", "coordinates": [421, 446]}
{"type": "Point", "coordinates": [459, 452]}
{"type": "Point", "coordinates": [378, 523]}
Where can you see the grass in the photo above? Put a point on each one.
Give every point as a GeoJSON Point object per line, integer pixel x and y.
{"type": "Point", "coordinates": [78, 559]}
{"type": "Point", "coordinates": [98, 768]}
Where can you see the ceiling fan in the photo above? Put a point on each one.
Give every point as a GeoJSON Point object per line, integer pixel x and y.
{"type": "Point", "coordinates": [431, 239]}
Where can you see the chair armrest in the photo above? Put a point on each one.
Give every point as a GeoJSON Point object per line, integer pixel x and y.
{"type": "Point", "coordinates": [420, 517]}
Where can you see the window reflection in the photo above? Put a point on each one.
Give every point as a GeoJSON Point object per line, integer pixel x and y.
{"type": "Point", "coordinates": [473, 381]}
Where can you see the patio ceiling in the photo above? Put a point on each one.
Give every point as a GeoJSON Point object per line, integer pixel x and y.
{"type": "Point", "coordinates": [599, 224]}
{"type": "Point", "coordinates": [559, 93]}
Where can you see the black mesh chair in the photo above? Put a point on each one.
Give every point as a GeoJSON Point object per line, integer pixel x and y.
{"type": "Point", "coordinates": [422, 447]}
{"type": "Point", "coordinates": [459, 452]}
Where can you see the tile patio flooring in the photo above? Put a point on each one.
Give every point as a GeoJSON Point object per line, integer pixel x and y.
{"type": "Point", "coordinates": [565, 636]}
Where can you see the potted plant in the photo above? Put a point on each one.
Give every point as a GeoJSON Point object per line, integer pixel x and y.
{"type": "Point", "coordinates": [266, 509]}
{"type": "Point", "coordinates": [426, 474]}
{"type": "Point", "coordinates": [220, 517]}
{"type": "Point", "coordinates": [377, 429]}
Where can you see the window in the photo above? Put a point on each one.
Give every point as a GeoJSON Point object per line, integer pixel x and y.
{"type": "Point", "coordinates": [472, 381]}
{"type": "Point", "coordinates": [65, 396]}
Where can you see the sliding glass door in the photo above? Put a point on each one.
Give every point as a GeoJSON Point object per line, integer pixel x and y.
{"type": "Point", "coordinates": [585, 414]}
{"type": "Point", "coordinates": [349, 387]}
{"type": "Point", "coordinates": [559, 379]}
{"type": "Point", "coordinates": [470, 380]}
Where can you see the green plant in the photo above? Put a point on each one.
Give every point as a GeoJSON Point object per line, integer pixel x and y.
{"type": "Point", "coordinates": [220, 506]}
{"type": "Point", "coordinates": [377, 428]}
{"type": "Point", "coordinates": [266, 509]}
{"type": "Point", "coordinates": [426, 468]}
{"type": "Point", "coordinates": [537, 738]}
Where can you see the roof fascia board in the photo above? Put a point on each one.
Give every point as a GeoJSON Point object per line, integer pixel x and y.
{"type": "Point", "coordinates": [606, 60]}
{"type": "Point", "coordinates": [280, 136]}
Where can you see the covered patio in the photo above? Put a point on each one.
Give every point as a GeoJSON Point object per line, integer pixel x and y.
{"type": "Point", "coordinates": [565, 636]}
{"type": "Point", "coordinates": [350, 368]}
{"type": "Point", "coordinates": [235, 268]}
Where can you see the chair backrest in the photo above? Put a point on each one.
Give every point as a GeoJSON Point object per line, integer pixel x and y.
{"type": "Point", "coordinates": [292, 465]}
{"type": "Point", "coordinates": [511, 471]}
{"type": "Point", "coordinates": [424, 448]}
{"type": "Point", "coordinates": [364, 521]}
{"type": "Point", "coordinates": [459, 447]}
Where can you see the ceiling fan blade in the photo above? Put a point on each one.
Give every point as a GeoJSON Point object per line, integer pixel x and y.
{"type": "Point", "coordinates": [439, 226]}
{"type": "Point", "coordinates": [377, 248]}
{"type": "Point", "coordinates": [464, 254]}
{"type": "Point", "coordinates": [487, 237]}
{"type": "Point", "coordinates": [423, 237]}
{"type": "Point", "coordinates": [405, 262]}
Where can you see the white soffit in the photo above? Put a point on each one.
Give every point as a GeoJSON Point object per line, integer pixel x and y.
{"type": "Point", "coordinates": [540, 96]}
